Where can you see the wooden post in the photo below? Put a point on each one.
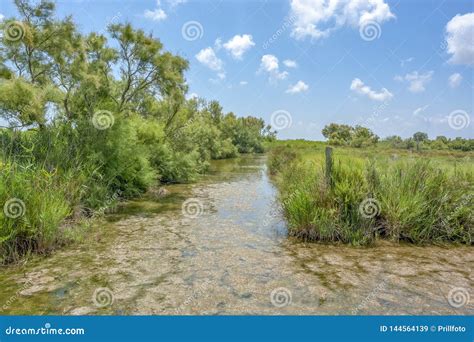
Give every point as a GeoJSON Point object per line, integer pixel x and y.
{"type": "Point", "coordinates": [329, 166]}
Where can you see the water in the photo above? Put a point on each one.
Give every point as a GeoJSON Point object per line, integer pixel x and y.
{"type": "Point", "coordinates": [231, 256]}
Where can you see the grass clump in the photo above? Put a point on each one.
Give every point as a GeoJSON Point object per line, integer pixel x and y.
{"type": "Point", "coordinates": [416, 200]}
{"type": "Point", "coordinates": [36, 201]}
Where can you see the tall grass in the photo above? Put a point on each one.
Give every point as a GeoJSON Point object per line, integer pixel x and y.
{"type": "Point", "coordinates": [417, 200]}
{"type": "Point", "coordinates": [35, 202]}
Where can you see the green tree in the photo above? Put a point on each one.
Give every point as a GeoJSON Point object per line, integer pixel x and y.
{"type": "Point", "coordinates": [338, 134]}
{"type": "Point", "coordinates": [363, 137]}
{"type": "Point", "coordinates": [395, 141]}
{"type": "Point", "coordinates": [419, 137]}
{"type": "Point", "coordinates": [357, 136]}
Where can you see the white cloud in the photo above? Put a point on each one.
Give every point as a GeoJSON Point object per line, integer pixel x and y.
{"type": "Point", "coordinates": [242, 83]}
{"type": "Point", "coordinates": [297, 88]}
{"type": "Point", "coordinates": [192, 96]}
{"type": "Point", "coordinates": [455, 80]}
{"type": "Point", "coordinates": [460, 39]}
{"type": "Point", "coordinates": [360, 88]}
{"type": "Point", "coordinates": [417, 82]}
{"type": "Point", "coordinates": [318, 18]}
{"type": "Point", "coordinates": [269, 64]}
{"type": "Point", "coordinates": [156, 15]}
{"type": "Point", "coordinates": [290, 63]}
{"type": "Point", "coordinates": [208, 58]}
{"type": "Point", "coordinates": [238, 45]}
{"type": "Point", "coordinates": [1, 16]}
{"type": "Point", "coordinates": [218, 44]}
{"type": "Point", "coordinates": [174, 3]}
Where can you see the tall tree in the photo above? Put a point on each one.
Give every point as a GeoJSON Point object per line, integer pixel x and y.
{"type": "Point", "coordinates": [419, 137]}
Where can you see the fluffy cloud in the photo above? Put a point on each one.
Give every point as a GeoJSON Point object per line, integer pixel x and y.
{"type": "Point", "coordinates": [1, 16]}
{"type": "Point", "coordinates": [360, 88]}
{"type": "Point", "coordinates": [269, 64]}
{"type": "Point", "coordinates": [460, 39]}
{"type": "Point", "coordinates": [318, 18]}
{"type": "Point", "coordinates": [297, 88]}
{"type": "Point", "coordinates": [289, 63]}
{"type": "Point", "coordinates": [455, 80]}
{"type": "Point", "coordinates": [156, 14]}
{"type": "Point", "coordinates": [238, 45]}
{"type": "Point", "coordinates": [208, 58]}
{"type": "Point", "coordinates": [417, 82]}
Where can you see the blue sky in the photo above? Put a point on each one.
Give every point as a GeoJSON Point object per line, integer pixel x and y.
{"type": "Point", "coordinates": [312, 62]}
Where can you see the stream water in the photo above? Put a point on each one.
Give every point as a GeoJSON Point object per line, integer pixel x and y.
{"type": "Point", "coordinates": [219, 246]}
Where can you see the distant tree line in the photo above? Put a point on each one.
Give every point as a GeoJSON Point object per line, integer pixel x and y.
{"type": "Point", "coordinates": [420, 141]}
{"type": "Point", "coordinates": [359, 136]}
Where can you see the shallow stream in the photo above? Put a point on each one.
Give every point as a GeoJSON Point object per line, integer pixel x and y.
{"type": "Point", "coordinates": [219, 246]}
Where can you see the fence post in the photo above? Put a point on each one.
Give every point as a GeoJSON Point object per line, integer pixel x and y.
{"type": "Point", "coordinates": [329, 166]}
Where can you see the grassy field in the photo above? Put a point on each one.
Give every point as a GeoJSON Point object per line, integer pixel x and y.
{"type": "Point", "coordinates": [377, 192]}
